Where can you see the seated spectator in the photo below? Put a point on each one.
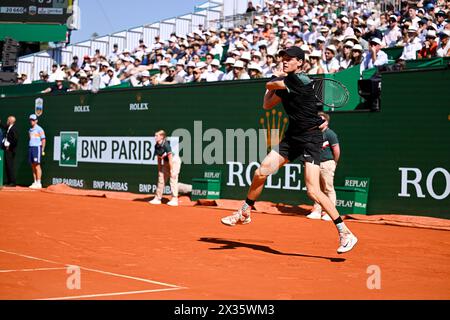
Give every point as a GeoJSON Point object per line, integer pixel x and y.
{"type": "Point", "coordinates": [203, 67]}
{"type": "Point", "coordinates": [215, 74]}
{"type": "Point", "coordinates": [229, 63]}
{"type": "Point", "coordinates": [429, 48]}
{"type": "Point", "coordinates": [85, 83]}
{"type": "Point", "coordinates": [374, 57]}
{"type": "Point", "coordinates": [109, 79]}
{"type": "Point", "coordinates": [412, 44]}
{"type": "Point", "coordinates": [197, 75]}
{"type": "Point", "coordinates": [23, 79]}
{"type": "Point", "coordinates": [392, 34]}
{"type": "Point", "coordinates": [73, 84]}
{"type": "Point", "coordinates": [330, 64]}
{"type": "Point", "coordinates": [255, 71]}
{"type": "Point", "coordinates": [444, 46]}
{"type": "Point", "coordinates": [357, 55]}
{"type": "Point", "coordinates": [43, 77]}
{"type": "Point", "coordinates": [58, 87]}
{"type": "Point", "coordinates": [189, 76]}
{"type": "Point", "coordinates": [346, 57]}
{"type": "Point", "coordinates": [314, 59]}
{"type": "Point", "coordinates": [239, 72]}
{"type": "Point", "coordinates": [143, 79]}
{"type": "Point", "coordinates": [163, 71]}
{"type": "Point", "coordinates": [250, 7]}
{"type": "Point", "coordinates": [54, 73]}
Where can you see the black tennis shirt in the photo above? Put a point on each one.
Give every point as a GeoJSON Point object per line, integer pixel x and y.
{"type": "Point", "coordinates": [300, 104]}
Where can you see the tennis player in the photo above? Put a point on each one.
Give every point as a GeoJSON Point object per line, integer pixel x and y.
{"type": "Point", "coordinates": [303, 139]}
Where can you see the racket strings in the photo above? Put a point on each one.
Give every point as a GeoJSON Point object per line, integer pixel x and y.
{"type": "Point", "coordinates": [331, 93]}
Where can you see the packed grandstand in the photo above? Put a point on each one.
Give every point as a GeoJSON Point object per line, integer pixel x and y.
{"type": "Point", "coordinates": [335, 35]}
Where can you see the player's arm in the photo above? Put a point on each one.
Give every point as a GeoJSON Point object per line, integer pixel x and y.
{"type": "Point", "coordinates": [276, 85]}
{"type": "Point", "coordinates": [336, 152]}
{"type": "Point", "coordinates": [47, 90]}
{"type": "Point", "coordinates": [270, 99]}
{"type": "Point", "coordinates": [43, 145]}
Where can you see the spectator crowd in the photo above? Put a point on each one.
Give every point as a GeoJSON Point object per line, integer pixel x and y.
{"type": "Point", "coordinates": [334, 34]}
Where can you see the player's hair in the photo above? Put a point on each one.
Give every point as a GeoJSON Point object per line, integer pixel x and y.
{"type": "Point", "coordinates": [161, 132]}
{"type": "Point", "coordinates": [325, 115]}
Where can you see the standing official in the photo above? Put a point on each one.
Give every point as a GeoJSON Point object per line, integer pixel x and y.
{"type": "Point", "coordinates": [36, 150]}
{"type": "Point", "coordinates": [169, 165]}
{"type": "Point", "coordinates": [9, 144]}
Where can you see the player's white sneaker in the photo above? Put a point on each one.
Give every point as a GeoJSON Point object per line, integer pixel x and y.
{"type": "Point", "coordinates": [326, 217]}
{"type": "Point", "coordinates": [36, 185]}
{"type": "Point", "coordinates": [155, 201]}
{"type": "Point", "coordinates": [314, 215]}
{"type": "Point", "coordinates": [347, 241]}
{"type": "Point", "coordinates": [173, 202]}
{"type": "Point", "coordinates": [237, 218]}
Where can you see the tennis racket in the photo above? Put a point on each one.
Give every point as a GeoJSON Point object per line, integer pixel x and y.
{"type": "Point", "coordinates": [330, 92]}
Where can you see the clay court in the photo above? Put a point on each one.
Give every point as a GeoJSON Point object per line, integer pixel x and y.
{"type": "Point", "coordinates": [131, 250]}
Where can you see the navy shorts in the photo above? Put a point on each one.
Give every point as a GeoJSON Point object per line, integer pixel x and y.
{"type": "Point", "coordinates": [34, 155]}
{"type": "Point", "coordinates": [307, 147]}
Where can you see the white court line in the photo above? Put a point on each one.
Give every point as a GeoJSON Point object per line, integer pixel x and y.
{"type": "Point", "coordinates": [36, 269]}
{"type": "Point", "coordinates": [95, 270]}
{"type": "Point", "coordinates": [111, 294]}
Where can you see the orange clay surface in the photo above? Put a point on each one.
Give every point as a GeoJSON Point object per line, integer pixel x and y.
{"type": "Point", "coordinates": [133, 250]}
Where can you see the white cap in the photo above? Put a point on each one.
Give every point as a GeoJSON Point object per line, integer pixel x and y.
{"type": "Point", "coordinates": [412, 29]}
{"type": "Point", "coordinates": [59, 77]}
{"type": "Point", "coordinates": [215, 62]}
{"type": "Point", "coordinates": [173, 39]}
{"type": "Point", "coordinates": [254, 66]}
{"type": "Point", "coordinates": [321, 38]}
{"type": "Point", "coordinates": [191, 64]}
{"type": "Point", "coordinates": [344, 19]}
{"type": "Point", "coordinates": [201, 65]}
{"type": "Point", "coordinates": [230, 61]}
{"type": "Point", "coordinates": [357, 47]}
{"type": "Point", "coordinates": [238, 64]}
{"type": "Point", "coordinates": [163, 63]}
{"type": "Point", "coordinates": [257, 54]}
{"type": "Point", "coordinates": [145, 73]}
{"type": "Point", "coordinates": [331, 47]}
{"type": "Point", "coordinates": [316, 53]}
{"type": "Point", "coordinates": [349, 44]}
{"type": "Point", "coordinates": [74, 80]}
{"type": "Point", "coordinates": [431, 33]}
{"type": "Point", "coordinates": [181, 62]}
{"type": "Point", "coordinates": [375, 40]}
{"type": "Point", "coordinates": [246, 56]}
{"type": "Point", "coordinates": [305, 48]}
{"type": "Point", "coordinates": [248, 28]}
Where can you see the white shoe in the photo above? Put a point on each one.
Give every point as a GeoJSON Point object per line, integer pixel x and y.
{"type": "Point", "coordinates": [237, 218]}
{"type": "Point", "coordinates": [326, 217]}
{"type": "Point", "coordinates": [314, 215]}
{"type": "Point", "coordinates": [347, 241]}
{"type": "Point", "coordinates": [36, 185]}
{"type": "Point", "coordinates": [155, 201]}
{"type": "Point", "coordinates": [173, 202]}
